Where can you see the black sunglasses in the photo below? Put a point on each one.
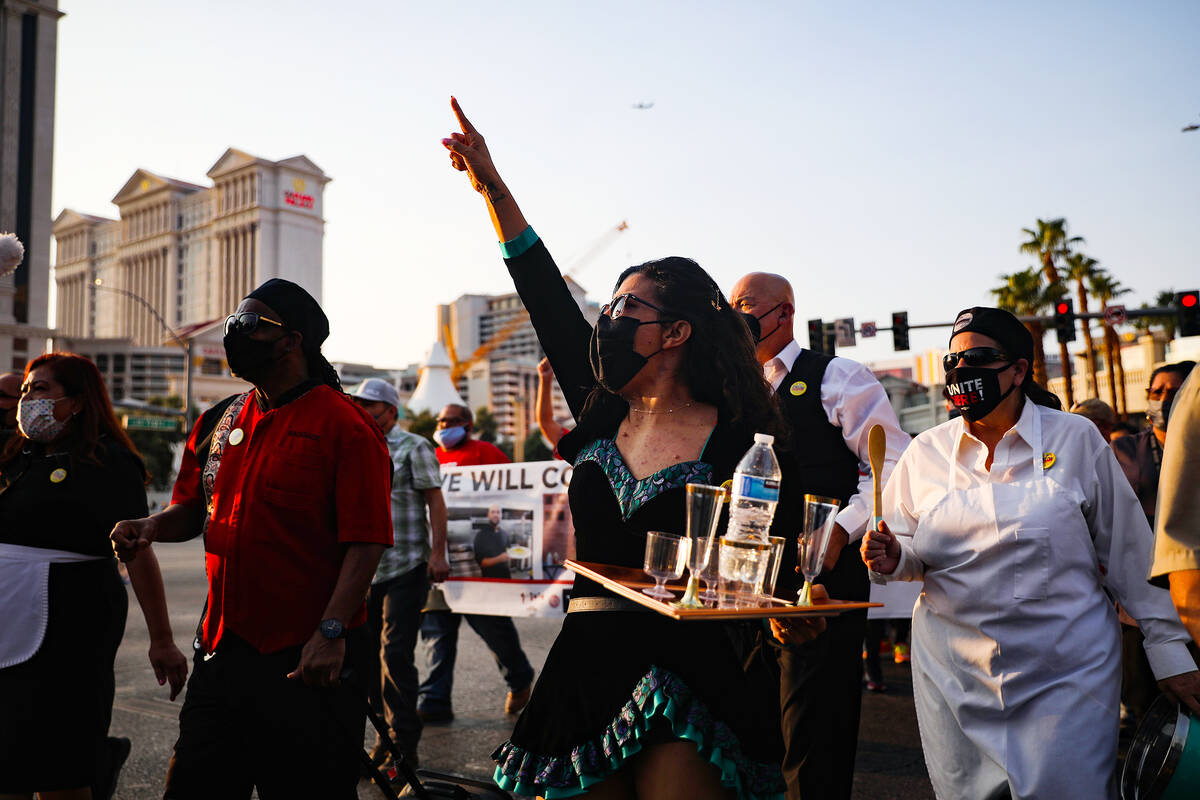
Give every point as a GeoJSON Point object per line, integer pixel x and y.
{"type": "Point", "coordinates": [616, 307]}
{"type": "Point", "coordinates": [246, 322]}
{"type": "Point", "coordinates": [974, 357]}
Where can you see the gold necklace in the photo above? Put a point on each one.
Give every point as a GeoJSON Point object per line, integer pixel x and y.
{"type": "Point", "coordinates": [664, 411]}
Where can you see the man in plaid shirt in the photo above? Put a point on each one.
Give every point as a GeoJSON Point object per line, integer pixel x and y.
{"type": "Point", "coordinates": [402, 580]}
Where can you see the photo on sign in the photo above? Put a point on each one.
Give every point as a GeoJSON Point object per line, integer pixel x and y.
{"type": "Point", "coordinates": [558, 534]}
{"type": "Point", "coordinates": [491, 541]}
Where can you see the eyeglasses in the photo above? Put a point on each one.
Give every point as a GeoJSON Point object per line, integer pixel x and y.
{"type": "Point", "coordinates": [616, 307]}
{"type": "Point", "coordinates": [246, 322]}
{"type": "Point", "coordinates": [974, 357]}
{"type": "Point", "coordinates": [450, 420]}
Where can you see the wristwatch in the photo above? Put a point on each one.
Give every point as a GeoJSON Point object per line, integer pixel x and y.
{"type": "Point", "coordinates": [332, 629]}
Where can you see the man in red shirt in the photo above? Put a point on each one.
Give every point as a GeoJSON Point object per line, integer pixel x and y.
{"type": "Point", "coordinates": [290, 486]}
{"type": "Point", "coordinates": [439, 629]}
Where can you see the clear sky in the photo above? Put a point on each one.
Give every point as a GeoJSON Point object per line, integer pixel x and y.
{"type": "Point", "coordinates": [884, 156]}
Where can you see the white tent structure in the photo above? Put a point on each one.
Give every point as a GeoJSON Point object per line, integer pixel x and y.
{"type": "Point", "coordinates": [434, 389]}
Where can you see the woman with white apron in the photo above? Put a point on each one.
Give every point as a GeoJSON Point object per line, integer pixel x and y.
{"type": "Point", "coordinates": [1018, 519]}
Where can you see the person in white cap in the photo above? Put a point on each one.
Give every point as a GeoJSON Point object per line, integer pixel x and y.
{"type": "Point", "coordinates": [402, 580]}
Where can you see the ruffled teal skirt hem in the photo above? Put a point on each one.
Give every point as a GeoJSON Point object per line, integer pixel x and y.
{"type": "Point", "coordinates": [659, 698]}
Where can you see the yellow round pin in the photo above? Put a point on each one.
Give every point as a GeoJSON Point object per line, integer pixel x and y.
{"type": "Point", "coordinates": [58, 476]}
{"type": "Point", "coordinates": [728, 487]}
{"type": "Point", "coordinates": [1047, 460]}
{"type": "Point", "coordinates": [236, 435]}
{"type": "Point", "coordinates": [798, 388]}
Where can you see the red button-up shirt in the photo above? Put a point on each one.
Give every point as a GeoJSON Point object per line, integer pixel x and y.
{"type": "Point", "coordinates": [305, 479]}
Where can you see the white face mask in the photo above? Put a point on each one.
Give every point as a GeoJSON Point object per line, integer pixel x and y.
{"type": "Point", "coordinates": [35, 418]}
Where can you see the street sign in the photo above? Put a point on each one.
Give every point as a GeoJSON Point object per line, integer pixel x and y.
{"type": "Point", "coordinates": [1114, 315]}
{"type": "Point", "coordinates": [844, 331]}
{"type": "Point", "coordinates": [868, 330]}
{"type": "Point", "coordinates": [133, 423]}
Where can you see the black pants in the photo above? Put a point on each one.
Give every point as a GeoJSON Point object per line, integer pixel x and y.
{"type": "Point", "coordinates": [393, 621]}
{"type": "Point", "coordinates": [820, 692]}
{"type": "Point", "coordinates": [245, 725]}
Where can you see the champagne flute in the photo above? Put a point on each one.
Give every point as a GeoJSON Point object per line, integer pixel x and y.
{"type": "Point", "coordinates": [666, 555]}
{"type": "Point", "coordinates": [703, 515]}
{"type": "Point", "coordinates": [820, 513]}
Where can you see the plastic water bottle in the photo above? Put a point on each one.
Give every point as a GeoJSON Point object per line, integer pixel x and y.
{"type": "Point", "coordinates": [755, 491]}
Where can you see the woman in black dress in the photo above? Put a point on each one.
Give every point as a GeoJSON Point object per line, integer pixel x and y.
{"type": "Point", "coordinates": [666, 391]}
{"type": "Point", "coordinates": [66, 477]}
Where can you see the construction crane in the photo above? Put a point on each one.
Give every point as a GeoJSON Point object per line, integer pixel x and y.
{"type": "Point", "coordinates": [460, 368]}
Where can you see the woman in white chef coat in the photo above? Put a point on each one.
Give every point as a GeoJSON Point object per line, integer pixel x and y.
{"type": "Point", "coordinates": [1017, 517]}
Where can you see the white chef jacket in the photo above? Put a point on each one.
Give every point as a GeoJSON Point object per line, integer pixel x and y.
{"type": "Point", "coordinates": [854, 401]}
{"type": "Point", "coordinates": [1016, 649]}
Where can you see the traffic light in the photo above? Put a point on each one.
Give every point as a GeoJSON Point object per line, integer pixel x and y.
{"type": "Point", "coordinates": [816, 336]}
{"type": "Point", "coordinates": [1064, 320]}
{"type": "Point", "coordinates": [1187, 308]}
{"type": "Point", "coordinates": [900, 330]}
{"type": "Point", "coordinates": [830, 339]}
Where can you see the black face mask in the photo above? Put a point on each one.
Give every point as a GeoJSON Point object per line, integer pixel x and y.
{"type": "Point", "coordinates": [756, 326]}
{"type": "Point", "coordinates": [249, 358]}
{"type": "Point", "coordinates": [975, 391]}
{"type": "Point", "coordinates": [614, 361]}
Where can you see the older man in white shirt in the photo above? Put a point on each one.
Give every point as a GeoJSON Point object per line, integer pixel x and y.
{"type": "Point", "coordinates": [831, 403]}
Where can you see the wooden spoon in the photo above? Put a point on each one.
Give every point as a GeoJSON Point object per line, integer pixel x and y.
{"type": "Point", "coordinates": [877, 448]}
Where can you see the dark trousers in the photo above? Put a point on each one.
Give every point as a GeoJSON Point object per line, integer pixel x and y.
{"type": "Point", "coordinates": [439, 633]}
{"type": "Point", "coordinates": [393, 621]}
{"type": "Point", "coordinates": [820, 693]}
{"type": "Point", "coordinates": [245, 725]}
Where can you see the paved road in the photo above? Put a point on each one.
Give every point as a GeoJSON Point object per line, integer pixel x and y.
{"type": "Point", "coordinates": [890, 764]}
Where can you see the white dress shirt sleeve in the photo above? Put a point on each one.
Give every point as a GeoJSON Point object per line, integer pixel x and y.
{"type": "Point", "coordinates": [899, 498]}
{"type": "Point", "coordinates": [855, 401]}
{"type": "Point", "coordinates": [1122, 539]}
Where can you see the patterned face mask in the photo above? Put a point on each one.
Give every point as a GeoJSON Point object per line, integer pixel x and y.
{"type": "Point", "coordinates": [35, 418]}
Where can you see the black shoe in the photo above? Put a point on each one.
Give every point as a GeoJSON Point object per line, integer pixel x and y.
{"type": "Point", "coordinates": [118, 754]}
{"type": "Point", "coordinates": [435, 715]}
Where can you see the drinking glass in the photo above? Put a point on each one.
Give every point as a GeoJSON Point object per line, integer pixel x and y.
{"type": "Point", "coordinates": [819, 516]}
{"type": "Point", "coordinates": [743, 564]}
{"type": "Point", "coordinates": [703, 514]}
{"type": "Point", "coordinates": [774, 559]}
{"type": "Point", "coordinates": [666, 555]}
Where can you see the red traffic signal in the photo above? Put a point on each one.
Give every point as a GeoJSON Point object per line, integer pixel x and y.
{"type": "Point", "coordinates": [1188, 300]}
{"type": "Point", "coordinates": [1187, 310]}
{"type": "Point", "coordinates": [1064, 307]}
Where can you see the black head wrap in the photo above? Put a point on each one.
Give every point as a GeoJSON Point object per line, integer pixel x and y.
{"type": "Point", "coordinates": [1014, 339]}
{"type": "Point", "coordinates": [300, 312]}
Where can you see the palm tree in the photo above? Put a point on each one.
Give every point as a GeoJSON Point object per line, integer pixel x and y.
{"type": "Point", "coordinates": [1080, 268]}
{"type": "Point", "coordinates": [1023, 294]}
{"type": "Point", "coordinates": [1167, 323]}
{"type": "Point", "coordinates": [1048, 242]}
{"type": "Point", "coordinates": [1106, 288]}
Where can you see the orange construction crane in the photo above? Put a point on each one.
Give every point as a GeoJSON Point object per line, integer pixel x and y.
{"type": "Point", "coordinates": [459, 368]}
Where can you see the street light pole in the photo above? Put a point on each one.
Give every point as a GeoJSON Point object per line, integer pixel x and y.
{"type": "Point", "coordinates": [187, 346]}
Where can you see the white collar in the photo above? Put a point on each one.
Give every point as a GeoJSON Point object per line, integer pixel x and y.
{"type": "Point", "coordinates": [788, 355]}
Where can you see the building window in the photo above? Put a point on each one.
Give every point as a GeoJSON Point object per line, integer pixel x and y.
{"type": "Point", "coordinates": [119, 363]}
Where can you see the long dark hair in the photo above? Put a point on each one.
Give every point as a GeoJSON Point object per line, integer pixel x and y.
{"type": "Point", "coordinates": [95, 420]}
{"type": "Point", "coordinates": [719, 366]}
{"type": "Point", "coordinates": [1039, 394]}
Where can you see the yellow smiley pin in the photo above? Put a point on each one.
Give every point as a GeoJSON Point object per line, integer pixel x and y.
{"type": "Point", "coordinates": [58, 476]}
{"type": "Point", "coordinates": [1048, 460]}
{"type": "Point", "coordinates": [798, 388]}
{"type": "Point", "coordinates": [235, 436]}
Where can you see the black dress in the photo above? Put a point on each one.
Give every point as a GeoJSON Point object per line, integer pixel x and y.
{"type": "Point", "coordinates": [55, 708]}
{"type": "Point", "coordinates": [615, 680]}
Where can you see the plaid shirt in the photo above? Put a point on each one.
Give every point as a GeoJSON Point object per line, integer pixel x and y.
{"type": "Point", "coordinates": [416, 469]}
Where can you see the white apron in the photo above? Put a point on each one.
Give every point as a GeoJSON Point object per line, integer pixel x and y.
{"type": "Point", "coordinates": [25, 598]}
{"type": "Point", "coordinates": [1009, 691]}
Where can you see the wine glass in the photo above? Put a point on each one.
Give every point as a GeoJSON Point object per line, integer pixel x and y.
{"type": "Point", "coordinates": [666, 555]}
{"type": "Point", "coordinates": [820, 514]}
{"type": "Point", "coordinates": [703, 514]}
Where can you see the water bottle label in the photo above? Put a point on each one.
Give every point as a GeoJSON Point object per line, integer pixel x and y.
{"type": "Point", "coordinates": [753, 488]}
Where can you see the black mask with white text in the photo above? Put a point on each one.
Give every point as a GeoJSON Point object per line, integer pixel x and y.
{"type": "Point", "coordinates": [614, 361]}
{"type": "Point", "coordinates": [975, 391]}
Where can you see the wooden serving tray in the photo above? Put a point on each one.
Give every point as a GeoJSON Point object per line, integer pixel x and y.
{"type": "Point", "coordinates": [628, 582]}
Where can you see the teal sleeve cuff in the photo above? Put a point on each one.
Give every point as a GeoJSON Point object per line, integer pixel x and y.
{"type": "Point", "coordinates": [519, 244]}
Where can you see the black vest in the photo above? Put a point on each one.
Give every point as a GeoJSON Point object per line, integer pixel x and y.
{"type": "Point", "coordinates": [825, 466]}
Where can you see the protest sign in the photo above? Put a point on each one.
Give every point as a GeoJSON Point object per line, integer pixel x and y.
{"type": "Point", "coordinates": [508, 532]}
